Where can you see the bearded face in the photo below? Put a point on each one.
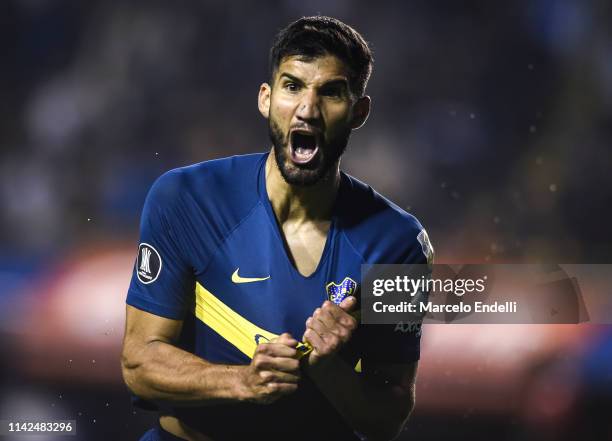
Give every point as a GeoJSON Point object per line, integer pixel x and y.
{"type": "Point", "coordinates": [310, 115]}
{"type": "Point", "coordinates": [304, 156]}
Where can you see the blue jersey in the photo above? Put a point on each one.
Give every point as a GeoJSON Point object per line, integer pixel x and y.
{"type": "Point", "coordinates": [211, 254]}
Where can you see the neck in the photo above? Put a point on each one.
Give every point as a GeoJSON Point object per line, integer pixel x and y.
{"type": "Point", "coordinates": [301, 204]}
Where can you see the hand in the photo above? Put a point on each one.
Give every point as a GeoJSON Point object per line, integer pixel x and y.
{"type": "Point", "coordinates": [329, 328]}
{"type": "Point", "coordinates": [274, 370]}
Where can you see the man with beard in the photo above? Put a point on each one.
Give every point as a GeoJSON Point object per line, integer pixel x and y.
{"type": "Point", "coordinates": [241, 316]}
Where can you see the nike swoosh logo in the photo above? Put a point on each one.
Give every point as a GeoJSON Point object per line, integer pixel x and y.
{"type": "Point", "coordinates": [237, 279]}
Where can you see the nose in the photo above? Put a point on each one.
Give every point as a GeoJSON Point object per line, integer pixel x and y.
{"type": "Point", "coordinates": [308, 107]}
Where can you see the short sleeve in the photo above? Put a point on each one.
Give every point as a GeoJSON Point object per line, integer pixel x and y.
{"type": "Point", "coordinates": [399, 342]}
{"type": "Point", "coordinates": [162, 278]}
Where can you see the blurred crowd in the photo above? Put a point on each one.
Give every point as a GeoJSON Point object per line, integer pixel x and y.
{"type": "Point", "coordinates": [491, 122]}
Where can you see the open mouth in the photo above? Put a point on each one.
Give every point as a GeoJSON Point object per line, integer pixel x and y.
{"type": "Point", "coordinates": [303, 146]}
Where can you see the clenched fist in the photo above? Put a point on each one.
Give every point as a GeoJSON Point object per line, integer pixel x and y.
{"type": "Point", "coordinates": [329, 328]}
{"type": "Point", "coordinates": [274, 370]}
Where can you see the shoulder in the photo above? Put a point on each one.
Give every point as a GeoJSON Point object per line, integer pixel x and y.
{"type": "Point", "coordinates": [222, 179]}
{"type": "Point", "coordinates": [213, 174]}
{"type": "Point", "coordinates": [380, 230]}
{"type": "Point", "coordinates": [198, 205]}
{"type": "Point", "coordinates": [368, 209]}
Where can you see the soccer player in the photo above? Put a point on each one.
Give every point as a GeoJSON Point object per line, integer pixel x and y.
{"type": "Point", "coordinates": [241, 316]}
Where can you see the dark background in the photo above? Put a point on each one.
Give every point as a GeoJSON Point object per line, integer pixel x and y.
{"type": "Point", "coordinates": [491, 122]}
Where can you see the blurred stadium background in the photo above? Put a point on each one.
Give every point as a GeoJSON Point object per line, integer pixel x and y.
{"type": "Point", "coordinates": [492, 123]}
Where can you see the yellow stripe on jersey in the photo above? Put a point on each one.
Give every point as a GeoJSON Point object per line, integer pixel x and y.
{"type": "Point", "coordinates": [230, 325]}
{"type": "Point", "coordinates": [234, 328]}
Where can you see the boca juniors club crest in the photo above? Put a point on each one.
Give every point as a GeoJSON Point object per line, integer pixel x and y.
{"type": "Point", "coordinates": [336, 292]}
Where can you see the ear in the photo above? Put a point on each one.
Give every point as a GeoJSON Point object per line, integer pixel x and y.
{"type": "Point", "coordinates": [263, 100]}
{"type": "Point", "coordinates": [361, 111]}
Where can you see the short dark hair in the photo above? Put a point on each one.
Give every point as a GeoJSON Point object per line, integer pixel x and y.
{"type": "Point", "coordinates": [316, 36]}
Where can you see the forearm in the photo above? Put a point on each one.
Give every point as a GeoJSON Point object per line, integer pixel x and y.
{"type": "Point", "coordinates": [372, 408]}
{"type": "Point", "coordinates": [161, 371]}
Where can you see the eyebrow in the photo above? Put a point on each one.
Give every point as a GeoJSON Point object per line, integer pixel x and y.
{"type": "Point", "coordinates": [291, 77]}
{"type": "Point", "coordinates": [337, 82]}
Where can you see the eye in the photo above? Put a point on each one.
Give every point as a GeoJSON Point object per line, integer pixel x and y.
{"type": "Point", "coordinates": [291, 86]}
{"type": "Point", "coordinates": [333, 92]}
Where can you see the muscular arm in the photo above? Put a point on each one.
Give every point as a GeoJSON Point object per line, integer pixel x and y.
{"type": "Point", "coordinates": [155, 369]}
{"type": "Point", "coordinates": [376, 403]}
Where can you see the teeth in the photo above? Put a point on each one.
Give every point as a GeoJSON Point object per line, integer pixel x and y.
{"type": "Point", "coordinates": [303, 153]}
